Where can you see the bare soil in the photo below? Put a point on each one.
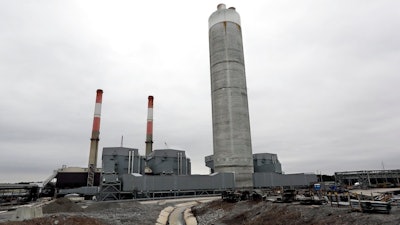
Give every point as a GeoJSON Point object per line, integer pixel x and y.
{"type": "Point", "coordinates": [267, 213]}
{"type": "Point", "coordinates": [64, 212]}
{"type": "Point", "coordinates": [59, 220]}
{"type": "Point", "coordinates": [218, 212]}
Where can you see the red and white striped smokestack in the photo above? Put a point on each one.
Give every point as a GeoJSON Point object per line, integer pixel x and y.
{"type": "Point", "coordinates": [94, 141]}
{"type": "Point", "coordinates": [149, 133]}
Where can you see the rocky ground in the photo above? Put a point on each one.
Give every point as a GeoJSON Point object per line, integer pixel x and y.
{"type": "Point", "coordinates": [59, 220]}
{"type": "Point", "coordinates": [267, 213]}
{"type": "Point", "coordinates": [65, 212]}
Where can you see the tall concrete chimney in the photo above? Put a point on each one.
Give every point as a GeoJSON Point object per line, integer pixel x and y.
{"type": "Point", "coordinates": [149, 132]}
{"type": "Point", "coordinates": [94, 141]}
{"type": "Point", "coordinates": [230, 113]}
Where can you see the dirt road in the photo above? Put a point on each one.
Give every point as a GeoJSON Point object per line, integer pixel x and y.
{"type": "Point", "coordinates": [217, 212]}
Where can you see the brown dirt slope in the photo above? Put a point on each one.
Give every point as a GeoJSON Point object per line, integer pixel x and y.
{"type": "Point", "coordinates": [65, 212]}
{"type": "Point", "coordinates": [59, 220]}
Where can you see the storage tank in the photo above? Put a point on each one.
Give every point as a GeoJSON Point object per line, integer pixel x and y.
{"type": "Point", "coordinates": [230, 113]}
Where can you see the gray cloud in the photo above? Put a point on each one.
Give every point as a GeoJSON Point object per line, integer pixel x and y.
{"type": "Point", "coordinates": [322, 81]}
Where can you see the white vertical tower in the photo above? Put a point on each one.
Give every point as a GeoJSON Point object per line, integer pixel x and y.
{"type": "Point", "coordinates": [230, 113]}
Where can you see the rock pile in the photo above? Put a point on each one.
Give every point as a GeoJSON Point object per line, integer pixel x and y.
{"type": "Point", "coordinates": [62, 205]}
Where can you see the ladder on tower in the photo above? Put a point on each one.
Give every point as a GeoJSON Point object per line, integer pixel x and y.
{"type": "Point", "coordinates": [91, 172]}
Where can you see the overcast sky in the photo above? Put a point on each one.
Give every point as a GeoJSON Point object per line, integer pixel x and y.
{"type": "Point", "coordinates": [322, 76]}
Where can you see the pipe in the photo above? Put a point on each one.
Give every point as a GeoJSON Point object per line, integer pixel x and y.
{"type": "Point", "coordinates": [179, 164]}
{"type": "Point", "coordinates": [139, 162]}
{"type": "Point", "coordinates": [129, 161]}
{"type": "Point", "coordinates": [133, 163]}
{"type": "Point", "coordinates": [94, 141]}
{"type": "Point", "coordinates": [149, 132]}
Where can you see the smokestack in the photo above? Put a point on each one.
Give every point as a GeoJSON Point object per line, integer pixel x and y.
{"type": "Point", "coordinates": [230, 113]}
{"type": "Point", "coordinates": [94, 141]}
{"type": "Point", "coordinates": [149, 132]}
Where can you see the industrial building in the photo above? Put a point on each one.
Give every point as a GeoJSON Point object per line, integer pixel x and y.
{"type": "Point", "coordinates": [262, 162]}
{"type": "Point", "coordinates": [369, 178]}
{"type": "Point", "coordinates": [124, 175]}
{"type": "Point", "coordinates": [169, 161]}
{"type": "Point", "coordinates": [121, 160]}
{"type": "Point", "coordinates": [74, 177]}
{"type": "Point", "coordinates": [266, 162]}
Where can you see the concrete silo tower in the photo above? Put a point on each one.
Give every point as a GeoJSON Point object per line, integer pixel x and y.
{"type": "Point", "coordinates": [230, 113]}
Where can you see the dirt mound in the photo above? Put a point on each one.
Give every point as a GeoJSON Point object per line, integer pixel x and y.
{"type": "Point", "coordinates": [62, 205]}
{"type": "Point", "coordinates": [59, 220]}
{"type": "Point", "coordinates": [214, 205]}
{"type": "Point", "coordinates": [121, 205]}
{"type": "Point", "coordinates": [100, 206]}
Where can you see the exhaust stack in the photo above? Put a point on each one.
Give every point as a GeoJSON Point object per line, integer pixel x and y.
{"type": "Point", "coordinates": [230, 112]}
{"type": "Point", "coordinates": [94, 141]}
{"type": "Point", "coordinates": [149, 132]}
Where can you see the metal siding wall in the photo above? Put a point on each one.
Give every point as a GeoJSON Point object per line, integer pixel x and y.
{"type": "Point", "coordinates": [275, 179]}
{"type": "Point", "coordinates": [175, 183]}
{"type": "Point", "coordinates": [122, 164]}
{"type": "Point", "coordinates": [224, 181]}
{"type": "Point", "coordinates": [165, 161]}
{"type": "Point", "coordinates": [219, 181]}
{"type": "Point", "coordinates": [108, 164]}
{"type": "Point", "coordinates": [116, 159]}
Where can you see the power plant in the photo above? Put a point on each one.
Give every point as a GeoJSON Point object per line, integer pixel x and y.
{"type": "Point", "coordinates": [242, 187]}
{"type": "Point", "coordinates": [230, 111]}
{"type": "Point", "coordinates": [167, 172]}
